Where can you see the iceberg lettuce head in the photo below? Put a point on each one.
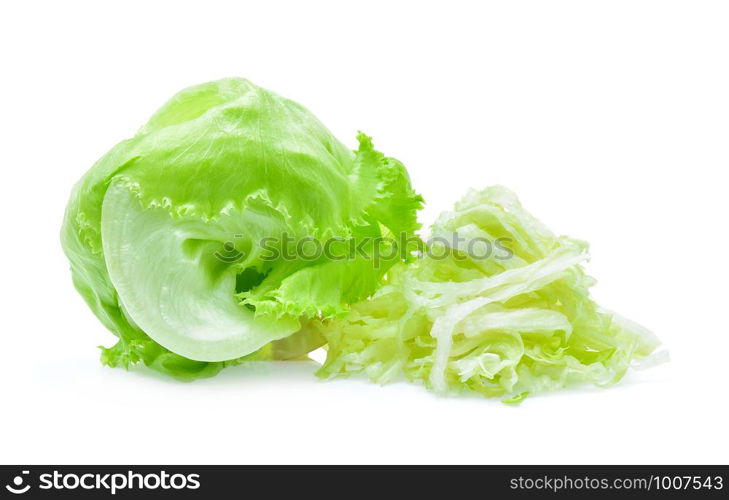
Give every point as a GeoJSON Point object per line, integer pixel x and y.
{"type": "Point", "coordinates": [164, 232]}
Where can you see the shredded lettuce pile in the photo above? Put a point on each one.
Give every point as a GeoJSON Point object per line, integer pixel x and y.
{"type": "Point", "coordinates": [164, 239]}
{"type": "Point", "coordinates": [506, 324]}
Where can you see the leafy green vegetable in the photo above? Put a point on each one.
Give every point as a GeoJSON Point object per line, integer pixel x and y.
{"type": "Point", "coordinates": [513, 322]}
{"type": "Point", "coordinates": [165, 238]}
{"type": "Point", "coordinates": [222, 166]}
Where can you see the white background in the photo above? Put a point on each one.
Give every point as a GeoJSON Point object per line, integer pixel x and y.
{"type": "Point", "coordinates": [610, 119]}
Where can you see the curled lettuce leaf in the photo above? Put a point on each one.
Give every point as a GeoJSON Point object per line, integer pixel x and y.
{"type": "Point", "coordinates": [163, 232]}
{"type": "Point", "coordinates": [506, 324]}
